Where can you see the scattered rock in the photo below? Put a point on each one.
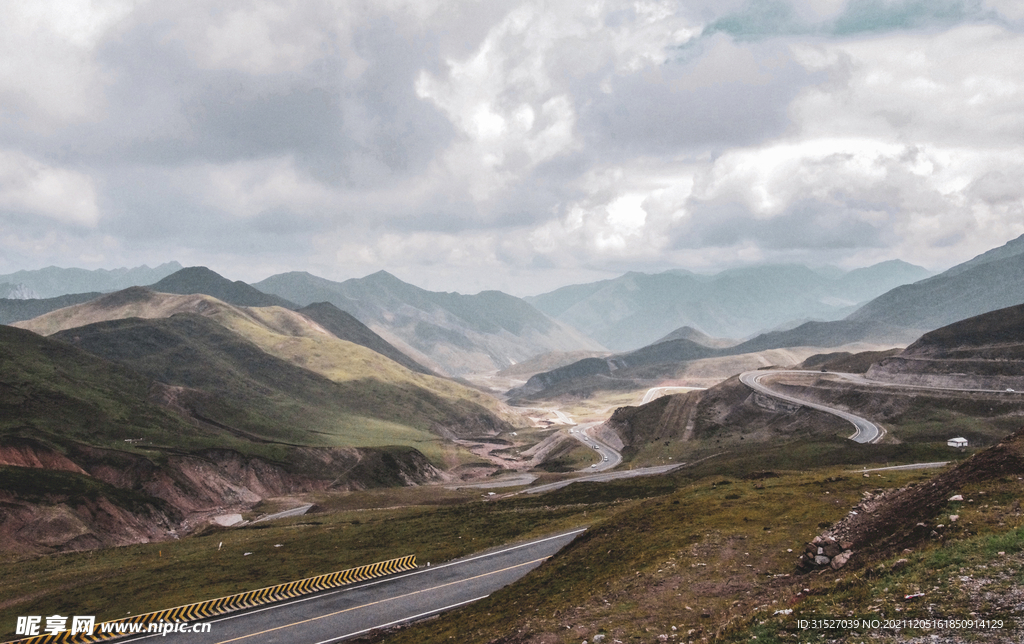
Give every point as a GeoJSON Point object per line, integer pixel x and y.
{"type": "Point", "coordinates": [840, 560]}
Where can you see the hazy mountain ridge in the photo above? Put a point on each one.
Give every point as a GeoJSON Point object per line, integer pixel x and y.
{"type": "Point", "coordinates": [53, 282]}
{"type": "Point", "coordinates": [991, 281]}
{"type": "Point", "coordinates": [458, 333]}
{"type": "Point", "coordinates": [637, 309]}
{"type": "Point", "coordinates": [695, 335]}
{"type": "Point", "coordinates": [347, 327]}
{"type": "Point", "coordinates": [961, 292]}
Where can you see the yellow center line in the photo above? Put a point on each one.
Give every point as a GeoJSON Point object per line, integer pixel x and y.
{"type": "Point", "coordinates": [313, 619]}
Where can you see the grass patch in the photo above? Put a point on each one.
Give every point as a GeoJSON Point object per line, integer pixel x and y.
{"type": "Point", "coordinates": [691, 555]}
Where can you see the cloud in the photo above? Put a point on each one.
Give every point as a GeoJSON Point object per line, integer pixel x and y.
{"type": "Point", "coordinates": [31, 187]}
{"type": "Point", "coordinates": [512, 139]}
{"type": "Point", "coordinates": [49, 76]}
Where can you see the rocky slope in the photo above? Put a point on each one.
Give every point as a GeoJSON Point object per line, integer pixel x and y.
{"type": "Point", "coordinates": [887, 522]}
{"type": "Point", "coordinates": [94, 497]}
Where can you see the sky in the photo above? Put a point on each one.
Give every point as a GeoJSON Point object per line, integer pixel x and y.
{"type": "Point", "coordinates": [512, 145]}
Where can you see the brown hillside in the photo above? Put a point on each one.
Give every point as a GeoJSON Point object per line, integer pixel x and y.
{"type": "Point", "coordinates": [892, 521]}
{"type": "Point", "coordinates": [983, 352]}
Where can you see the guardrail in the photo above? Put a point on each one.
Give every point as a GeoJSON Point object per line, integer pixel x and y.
{"type": "Point", "coordinates": [232, 603]}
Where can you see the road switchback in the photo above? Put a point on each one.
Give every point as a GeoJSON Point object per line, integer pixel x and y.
{"type": "Point", "coordinates": [866, 431]}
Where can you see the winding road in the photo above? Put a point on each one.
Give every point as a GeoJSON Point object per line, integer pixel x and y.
{"type": "Point", "coordinates": [608, 457]}
{"type": "Point", "coordinates": [866, 431]}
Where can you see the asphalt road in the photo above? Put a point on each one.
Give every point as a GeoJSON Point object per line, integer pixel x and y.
{"type": "Point", "coordinates": [653, 392]}
{"type": "Point", "coordinates": [861, 379]}
{"type": "Point", "coordinates": [866, 431]}
{"type": "Point", "coordinates": [284, 514]}
{"type": "Point", "coordinates": [607, 476]}
{"type": "Point", "coordinates": [347, 612]}
{"type": "Point", "coordinates": [604, 451]}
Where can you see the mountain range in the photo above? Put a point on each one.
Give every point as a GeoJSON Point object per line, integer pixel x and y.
{"type": "Point", "coordinates": [452, 332]}
{"type": "Point", "coordinates": [637, 309]}
{"type": "Point", "coordinates": [991, 281]}
{"type": "Point", "coordinates": [52, 281]}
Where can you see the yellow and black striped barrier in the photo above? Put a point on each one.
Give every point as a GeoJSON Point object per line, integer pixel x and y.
{"type": "Point", "coordinates": [249, 599]}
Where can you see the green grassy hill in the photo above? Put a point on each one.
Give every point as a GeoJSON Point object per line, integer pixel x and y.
{"type": "Point", "coordinates": [56, 394]}
{"type": "Point", "coordinates": [183, 416]}
{"type": "Point", "coordinates": [233, 382]}
{"type": "Point", "coordinates": [377, 388]}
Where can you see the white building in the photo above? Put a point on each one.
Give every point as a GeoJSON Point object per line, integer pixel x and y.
{"type": "Point", "coordinates": [957, 442]}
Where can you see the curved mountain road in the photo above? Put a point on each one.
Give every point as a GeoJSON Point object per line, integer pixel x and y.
{"type": "Point", "coordinates": [866, 431]}
{"type": "Point", "coordinates": [608, 457]}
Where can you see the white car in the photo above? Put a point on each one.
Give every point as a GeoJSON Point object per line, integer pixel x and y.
{"type": "Point", "coordinates": [594, 465]}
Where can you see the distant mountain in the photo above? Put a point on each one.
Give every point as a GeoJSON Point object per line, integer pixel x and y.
{"type": "Point", "coordinates": [234, 383]}
{"type": "Point", "coordinates": [52, 282]}
{"type": "Point", "coordinates": [637, 309]}
{"type": "Point", "coordinates": [16, 310]}
{"type": "Point", "coordinates": [991, 281]}
{"type": "Point", "coordinates": [374, 387]}
{"type": "Point", "coordinates": [199, 279]}
{"type": "Point", "coordinates": [17, 292]}
{"type": "Point", "coordinates": [695, 335]}
{"type": "Point", "coordinates": [623, 367]}
{"type": "Point", "coordinates": [183, 281]}
{"type": "Point", "coordinates": [963, 291]}
{"type": "Point", "coordinates": [346, 327]}
{"type": "Point", "coordinates": [457, 333]}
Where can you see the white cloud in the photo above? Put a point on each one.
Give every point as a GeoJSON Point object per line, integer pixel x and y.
{"type": "Point", "coordinates": [48, 72]}
{"type": "Point", "coordinates": [36, 188]}
{"type": "Point", "coordinates": [962, 87]}
{"type": "Point", "coordinates": [266, 37]}
{"type": "Point", "coordinates": [249, 188]}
